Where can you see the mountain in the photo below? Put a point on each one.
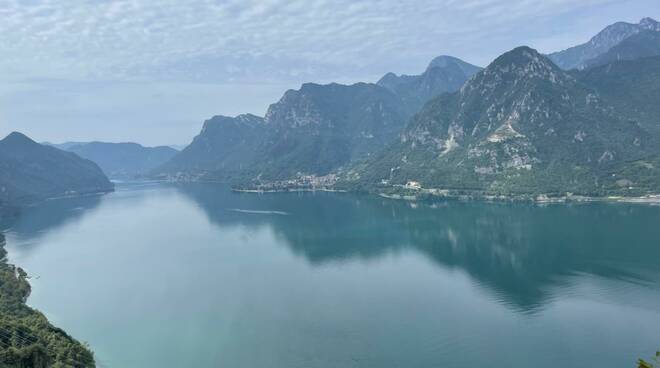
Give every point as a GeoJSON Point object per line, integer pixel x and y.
{"type": "Point", "coordinates": [223, 148]}
{"type": "Point", "coordinates": [642, 44]}
{"type": "Point", "coordinates": [577, 56]}
{"type": "Point", "coordinates": [319, 128]}
{"type": "Point", "coordinates": [123, 160]}
{"type": "Point", "coordinates": [632, 87]}
{"type": "Point", "coordinates": [31, 172]}
{"type": "Point", "coordinates": [312, 131]}
{"type": "Point", "coordinates": [520, 126]}
{"type": "Point", "coordinates": [443, 74]}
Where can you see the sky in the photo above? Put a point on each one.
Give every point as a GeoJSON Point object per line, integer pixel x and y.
{"type": "Point", "coordinates": [151, 71]}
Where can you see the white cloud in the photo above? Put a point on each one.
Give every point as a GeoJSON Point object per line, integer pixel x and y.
{"type": "Point", "coordinates": [88, 68]}
{"type": "Point", "coordinates": [251, 40]}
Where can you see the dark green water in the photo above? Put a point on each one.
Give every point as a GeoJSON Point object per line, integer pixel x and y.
{"type": "Point", "coordinates": [197, 276]}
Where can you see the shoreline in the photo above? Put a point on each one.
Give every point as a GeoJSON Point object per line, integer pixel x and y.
{"type": "Point", "coordinates": [423, 194]}
{"type": "Point", "coordinates": [33, 338]}
{"type": "Point", "coordinates": [292, 190]}
{"type": "Point", "coordinates": [651, 199]}
{"type": "Point", "coordinates": [438, 194]}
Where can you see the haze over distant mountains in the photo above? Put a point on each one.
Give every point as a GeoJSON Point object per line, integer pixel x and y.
{"type": "Point", "coordinates": [444, 74]}
{"type": "Point", "coordinates": [580, 56]}
{"type": "Point", "coordinates": [313, 130]}
{"type": "Point", "coordinates": [522, 125]}
{"type": "Point", "coordinates": [640, 45]}
{"type": "Point", "coordinates": [121, 160]}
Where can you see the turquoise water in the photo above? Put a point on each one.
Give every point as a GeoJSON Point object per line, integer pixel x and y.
{"type": "Point", "coordinates": [194, 275]}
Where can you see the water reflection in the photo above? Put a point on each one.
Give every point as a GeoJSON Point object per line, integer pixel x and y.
{"type": "Point", "coordinates": [33, 222]}
{"type": "Point", "coordinates": [322, 228]}
{"type": "Point", "coordinates": [521, 253]}
{"type": "Point", "coordinates": [195, 275]}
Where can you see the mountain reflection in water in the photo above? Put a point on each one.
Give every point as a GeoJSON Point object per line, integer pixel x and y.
{"type": "Point", "coordinates": [521, 251]}
{"type": "Point", "coordinates": [175, 275]}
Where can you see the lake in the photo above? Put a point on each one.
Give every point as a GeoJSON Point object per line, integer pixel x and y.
{"type": "Point", "coordinates": [194, 275]}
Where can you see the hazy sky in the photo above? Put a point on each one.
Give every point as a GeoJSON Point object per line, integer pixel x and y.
{"type": "Point", "coordinates": [151, 71]}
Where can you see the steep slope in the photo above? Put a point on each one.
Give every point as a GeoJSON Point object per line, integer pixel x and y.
{"type": "Point", "coordinates": [123, 160]}
{"type": "Point", "coordinates": [520, 126]}
{"type": "Point", "coordinates": [310, 131]}
{"type": "Point", "coordinates": [31, 172]}
{"type": "Point", "coordinates": [576, 57]}
{"type": "Point", "coordinates": [313, 131]}
{"type": "Point", "coordinates": [321, 127]}
{"type": "Point", "coordinates": [632, 87]}
{"type": "Point", "coordinates": [642, 44]}
{"type": "Point", "coordinates": [224, 147]}
{"type": "Point", "coordinates": [444, 74]}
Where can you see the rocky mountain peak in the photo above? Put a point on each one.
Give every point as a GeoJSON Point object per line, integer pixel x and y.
{"type": "Point", "coordinates": [649, 24]}
{"type": "Point", "coordinates": [247, 119]}
{"type": "Point", "coordinates": [512, 69]}
{"type": "Point", "coordinates": [522, 57]}
{"type": "Point", "coordinates": [446, 61]}
{"type": "Point", "coordinates": [443, 74]}
{"type": "Point", "coordinates": [442, 61]}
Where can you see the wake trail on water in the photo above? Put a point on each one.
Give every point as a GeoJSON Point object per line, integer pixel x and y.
{"type": "Point", "coordinates": [260, 212]}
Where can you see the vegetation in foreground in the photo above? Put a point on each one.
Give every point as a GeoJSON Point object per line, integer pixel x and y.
{"type": "Point", "coordinates": [27, 339]}
{"type": "Point", "coordinates": [656, 362]}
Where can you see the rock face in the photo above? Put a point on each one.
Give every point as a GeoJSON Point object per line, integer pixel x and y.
{"type": "Point", "coordinates": [577, 57]}
{"type": "Point", "coordinates": [444, 74]}
{"type": "Point", "coordinates": [313, 130]}
{"type": "Point", "coordinates": [224, 147]}
{"type": "Point", "coordinates": [320, 128]}
{"type": "Point", "coordinates": [31, 172]}
{"type": "Point", "coordinates": [123, 160]}
{"type": "Point", "coordinates": [522, 125]}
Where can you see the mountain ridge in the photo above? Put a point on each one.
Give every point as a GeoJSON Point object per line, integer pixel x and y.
{"type": "Point", "coordinates": [576, 56]}
{"type": "Point", "coordinates": [443, 74]}
{"type": "Point", "coordinates": [124, 160]}
{"type": "Point", "coordinates": [639, 45]}
{"type": "Point", "coordinates": [314, 130]}
{"type": "Point", "coordinates": [311, 130]}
